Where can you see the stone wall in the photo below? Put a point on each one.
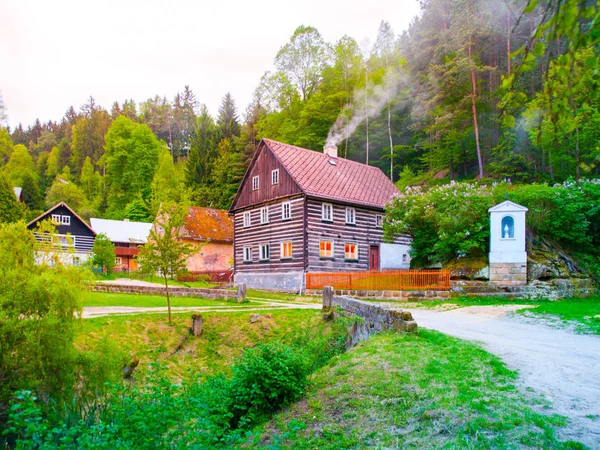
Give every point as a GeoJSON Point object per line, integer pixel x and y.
{"type": "Point", "coordinates": [508, 274]}
{"type": "Point", "coordinates": [375, 318]}
{"type": "Point", "coordinates": [173, 291]}
{"type": "Point", "coordinates": [387, 295]}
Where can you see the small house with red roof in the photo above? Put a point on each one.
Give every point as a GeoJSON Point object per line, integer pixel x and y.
{"type": "Point", "coordinates": [212, 231]}
{"type": "Point", "coordinates": [299, 211]}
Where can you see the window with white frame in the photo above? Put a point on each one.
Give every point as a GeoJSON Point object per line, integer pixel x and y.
{"type": "Point", "coordinates": [247, 254]}
{"type": "Point", "coordinates": [56, 219]}
{"type": "Point", "coordinates": [247, 219]}
{"type": "Point", "coordinates": [275, 176]}
{"type": "Point", "coordinates": [255, 180]}
{"type": "Point", "coordinates": [264, 215]}
{"type": "Point", "coordinates": [65, 220]}
{"type": "Point", "coordinates": [265, 252]}
{"type": "Point", "coordinates": [351, 216]}
{"type": "Point", "coordinates": [405, 258]}
{"type": "Point", "coordinates": [118, 261]}
{"type": "Point", "coordinates": [286, 250]}
{"type": "Point", "coordinates": [327, 212]}
{"type": "Point", "coordinates": [379, 221]}
{"type": "Point", "coordinates": [326, 249]}
{"type": "Point", "coordinates": [351, 251]}
{"type": "Point", "coordinates": [286, 211]}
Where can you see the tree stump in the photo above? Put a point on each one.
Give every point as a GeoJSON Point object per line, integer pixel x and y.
{"type": "Point", "coordinates": [241, 293]}
{"type": "Point", "coordinates": [327, 297]}
{"type": "Point", "coordinates": [196, 324]}
{"type": "Point", "coordinates": [130, 368]}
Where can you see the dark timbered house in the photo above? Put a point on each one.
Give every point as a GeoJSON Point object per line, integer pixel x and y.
{"type": "Point", "coordinates": [74, 238]}
{"type": "Point", "coordinates": [299, 211]}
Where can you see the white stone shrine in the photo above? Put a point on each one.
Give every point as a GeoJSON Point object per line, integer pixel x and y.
{"type": "Point", "coordinates": [508, 255]}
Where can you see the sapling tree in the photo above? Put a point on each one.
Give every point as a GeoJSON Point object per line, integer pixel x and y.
{"type": "Point", "coordinates": [104, 253]}
{"type": "Point", "coordinates": [165, 252]}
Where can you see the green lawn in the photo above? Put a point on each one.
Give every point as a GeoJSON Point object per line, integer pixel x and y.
{"type": "Point", "coordinates": [414, 391]}
{"type": "Point", "coordinates": [151, 301]}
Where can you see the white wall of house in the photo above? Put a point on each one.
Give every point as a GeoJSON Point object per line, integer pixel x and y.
{"type": "Point", "coordinates": [394, 256]}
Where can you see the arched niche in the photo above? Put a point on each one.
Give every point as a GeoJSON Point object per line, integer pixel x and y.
{"type": "Point", "coordinates": [507, 227]}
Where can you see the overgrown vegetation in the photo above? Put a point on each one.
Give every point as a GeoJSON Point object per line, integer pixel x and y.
{"type": "Point", "coordinates": [205, 410]}
{"type": "Point", "coordinates": [451, 221]}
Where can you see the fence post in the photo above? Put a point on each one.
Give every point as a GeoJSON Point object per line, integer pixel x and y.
{"type": "Point", "coordinates": [241, 293]}
{"type": "Point", "coordinates": [327, 296]}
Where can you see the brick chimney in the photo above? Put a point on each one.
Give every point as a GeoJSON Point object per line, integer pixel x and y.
{"type": "Point", "coordinates": [330, 150]}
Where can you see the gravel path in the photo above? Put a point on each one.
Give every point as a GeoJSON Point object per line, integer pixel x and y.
{"type": "Point", "coordinates": [129, 282]}
{"type": "Point", "coordinates": [563, 366]}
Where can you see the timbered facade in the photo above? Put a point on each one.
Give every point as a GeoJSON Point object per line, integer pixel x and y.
{"type": "Point", "coordinates": [299, 211]}
{"type": "Point", "coordinates": [74, 238]}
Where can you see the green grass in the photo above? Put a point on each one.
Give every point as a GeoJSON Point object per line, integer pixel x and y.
{"type": "Point", "coordinates": [578, 313]}
{"type": "Point", "coordinates": [225, 335]}
{"type": "Point", "coordinates": [153, 301]}
{"type": "Point", "coordinates": [414, 391]}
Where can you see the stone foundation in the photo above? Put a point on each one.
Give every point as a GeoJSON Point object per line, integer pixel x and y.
{"type": "Point", "coordinates": [271, 281]}
{"type": "Point", "coordinates": [508, 274]}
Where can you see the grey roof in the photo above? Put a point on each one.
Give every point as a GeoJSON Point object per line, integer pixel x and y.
{"type": "Point", "coordinates": [18, 191]}
{"type": "Point", "coordinates": [122, 230]}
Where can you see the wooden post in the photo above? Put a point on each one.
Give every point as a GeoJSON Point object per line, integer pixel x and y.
{"type": "Point", "coordinates": [196, 324]}
{"type": "Point", "coordinates": [327, 296]}
{"type": "Point", "coordinates": [241, 293]}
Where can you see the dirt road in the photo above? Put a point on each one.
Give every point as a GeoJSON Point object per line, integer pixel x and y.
{"type": "Point", "coordinates": [563, 366]}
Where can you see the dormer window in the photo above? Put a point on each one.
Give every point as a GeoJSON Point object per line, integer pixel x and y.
{"type": "Point", "coordinates": [275, 176]}
{"type": "Point", "coordinates": [327, 212]}
{"type": "Point", "coordinates": [255, 180]}
{"type": "Point", "coordinates": [350, 216]}
{"type": "Point", "coordinates": [508, 227]}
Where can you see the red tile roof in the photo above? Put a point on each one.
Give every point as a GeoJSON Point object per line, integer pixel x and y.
{"type": "Point", "coordinates": [345, 181]}
{"type": "Point", "coordinates": [206, 223]}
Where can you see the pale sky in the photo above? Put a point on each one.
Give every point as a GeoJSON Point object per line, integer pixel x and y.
{"type": "Point", "coordinates": [54, 54]}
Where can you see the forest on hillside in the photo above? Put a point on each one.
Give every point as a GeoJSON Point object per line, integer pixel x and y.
{"type": "Point", "coordinates": [473, 89]}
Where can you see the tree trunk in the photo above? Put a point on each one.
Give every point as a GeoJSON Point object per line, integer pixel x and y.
{"type": "Point", "coordinates": [508, 40]}
{"type": "Point", "coordinates": [168, 298]}
{"type": "Point", "coordinates": [474, 106]}
{"type": "Point", "coordinates": [391, 143]}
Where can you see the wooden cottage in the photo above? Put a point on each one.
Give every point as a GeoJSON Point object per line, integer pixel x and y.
{"type": "Point", "coordinates": [127, 237]}
{"type": "Point", "coordinates": [299, 211]}
{"type": "Point", "coordinates": [74, 238]}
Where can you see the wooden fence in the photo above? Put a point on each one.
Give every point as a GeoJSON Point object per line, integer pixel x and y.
{"type": "Point", "coordinates": [396, 280]}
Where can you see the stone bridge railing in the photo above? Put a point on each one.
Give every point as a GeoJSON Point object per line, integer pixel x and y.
{"type": "Point", "coordinates": [375, 318]}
